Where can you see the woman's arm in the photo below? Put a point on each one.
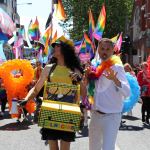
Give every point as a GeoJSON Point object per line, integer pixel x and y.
{"type": "Point", "coordinates": [83, 86]}
{"type": "Point", "coordinates": [35, 90]}
{"type": "Point", "coordinates": [82, 81]}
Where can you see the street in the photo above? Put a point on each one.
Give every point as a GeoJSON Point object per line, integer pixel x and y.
{"type": "Point", "coordinates": [25, 136]}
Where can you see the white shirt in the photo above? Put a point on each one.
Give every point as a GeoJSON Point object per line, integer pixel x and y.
{"type": "Point", "coordinates": [108, 97]}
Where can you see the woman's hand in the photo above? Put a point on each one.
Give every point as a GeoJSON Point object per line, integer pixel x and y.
{"type": "Point", "coordinates": [22, 102]}
{"type": "Point", "coordinates": [88, 71]}
{"type": "Point", "coordinates": [75, 77]}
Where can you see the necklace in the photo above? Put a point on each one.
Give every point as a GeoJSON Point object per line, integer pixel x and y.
{"type": "Point", "coordinates": [95, 74]}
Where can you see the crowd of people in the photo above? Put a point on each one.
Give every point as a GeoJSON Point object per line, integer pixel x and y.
{"type": "Point", "coordinates": [110, 89]}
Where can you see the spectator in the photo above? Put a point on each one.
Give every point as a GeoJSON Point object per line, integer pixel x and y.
{"type": "Point", "coordinates": [144, 83]}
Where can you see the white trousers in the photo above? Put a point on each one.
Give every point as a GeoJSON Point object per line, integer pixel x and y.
{"type": "Point", "coordinates": [103, 130]}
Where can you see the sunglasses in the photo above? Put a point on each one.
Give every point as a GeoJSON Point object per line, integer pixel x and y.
{"type": "Point", "coordinates": [57, 45]}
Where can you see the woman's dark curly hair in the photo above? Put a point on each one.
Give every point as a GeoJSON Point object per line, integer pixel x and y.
{"type": "Point", "coordinates": [70, 58]}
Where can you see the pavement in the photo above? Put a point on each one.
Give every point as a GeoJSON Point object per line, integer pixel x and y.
{"type": "Point", "coordinates": [133, 135]}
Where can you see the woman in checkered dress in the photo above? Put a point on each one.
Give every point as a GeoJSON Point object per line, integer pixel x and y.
{"type": "Point", "coordinates": [67, 70]}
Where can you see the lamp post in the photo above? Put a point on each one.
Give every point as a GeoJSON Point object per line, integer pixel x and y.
{"type": "Point", "coordinates": [24, 4]}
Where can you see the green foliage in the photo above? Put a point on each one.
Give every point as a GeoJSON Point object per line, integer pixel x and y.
{"type": "Point", "coordinates": [118, 13]}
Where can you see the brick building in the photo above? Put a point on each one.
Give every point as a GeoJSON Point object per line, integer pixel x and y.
{"type": "Point", "coordinates": [140, 30]}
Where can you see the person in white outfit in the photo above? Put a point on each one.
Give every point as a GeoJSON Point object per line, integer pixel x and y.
{"type": "Point", "coordinates": [111, 88]}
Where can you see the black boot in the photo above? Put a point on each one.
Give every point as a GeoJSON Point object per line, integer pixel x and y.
{"type": "Point", "coordinates": [143, 118]}
{"type": "Point", "coordinates": [147, 119]}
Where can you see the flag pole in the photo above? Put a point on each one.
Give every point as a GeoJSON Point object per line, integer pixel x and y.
{"type": "Point", "coordinates": [52, 7]}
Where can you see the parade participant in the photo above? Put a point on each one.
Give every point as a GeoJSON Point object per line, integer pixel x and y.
{"type": "Point", "coordinates": [111, 88]}
{"type": "Point", "coordinates": [37, 73]}
{"type": "Point", "coordinates": [144, 83]}
{"type": "Point", "coordinates": [38, 70]}
{"type": "Point", "coordinates": [67, 70]}
{"type": "Point", "coordinates": [3, 98]}
{"type": "Point", "coordinates": [128, 68]}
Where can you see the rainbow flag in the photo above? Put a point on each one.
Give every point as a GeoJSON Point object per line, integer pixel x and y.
{"type": "Point", "coordinates": [33, 30]}
{"type": "Point", "coordinates": [59, 11]}
{"type": "Point", "coordinates": [47, 34]}
{"type": "Point", "coordinates": [97, 34]}
{"type": "Point", "coordinates": [54, 38]}
{"type": "Point", "coordinates": [89, 45]}
{"type": "Point", "coordinates": [91, 24]}
{"type": "Point", "coordinates": [118, 44]}
{"type": "Point", "coordinates": [82, 47]}
{"type": "Point", "coordinates": [115, 38]}
{"type": "Point", "coordinates": [88, 42]}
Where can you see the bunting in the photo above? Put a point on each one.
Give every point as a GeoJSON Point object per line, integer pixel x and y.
{"type": "Point", "coordinates": [98, 32]}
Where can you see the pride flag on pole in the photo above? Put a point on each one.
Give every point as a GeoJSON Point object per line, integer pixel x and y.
{"type": "Point", "coordinates": [47, 34]}
{"type": "Point", "coordinates": [115, 38]}
{"type": "Point", "coordinates": [54, 37]}
{"type": "Point", "coordinates": [33, 31]}
{"type": "Point", "coordinates": [59, 10]}
{"type": "Point", "coordinates": [89, 45]}
{"type": "Point", "coordinates": [91, 24]}
{"type": "Point", "coordinates": [118, 44]}
{"type": "Point", "coordinates": [97, 34]}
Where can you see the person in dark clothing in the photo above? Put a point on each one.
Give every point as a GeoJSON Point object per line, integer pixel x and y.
{"type": "Point", "coordinates": [144, 83]}
{"type": "Point", "coordinates": [3, 99]}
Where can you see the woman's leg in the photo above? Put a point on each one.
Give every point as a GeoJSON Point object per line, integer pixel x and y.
{"type": "Point", "coordinates": [53, 144]}
{"type": "Point", "coordinates": [64, 145]}
{"type": "Point", "coordinates": [85, 117]}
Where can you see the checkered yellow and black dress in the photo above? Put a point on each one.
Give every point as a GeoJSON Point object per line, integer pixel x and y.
{"type": "Point", "coordinates": [60, 75]}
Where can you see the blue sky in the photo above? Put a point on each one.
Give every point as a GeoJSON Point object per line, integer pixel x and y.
{"type": "Point", "coordinates": [39, 8]}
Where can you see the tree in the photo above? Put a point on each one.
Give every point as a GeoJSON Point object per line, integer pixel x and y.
{"type": "Point", "coordinates": [118, 11]}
